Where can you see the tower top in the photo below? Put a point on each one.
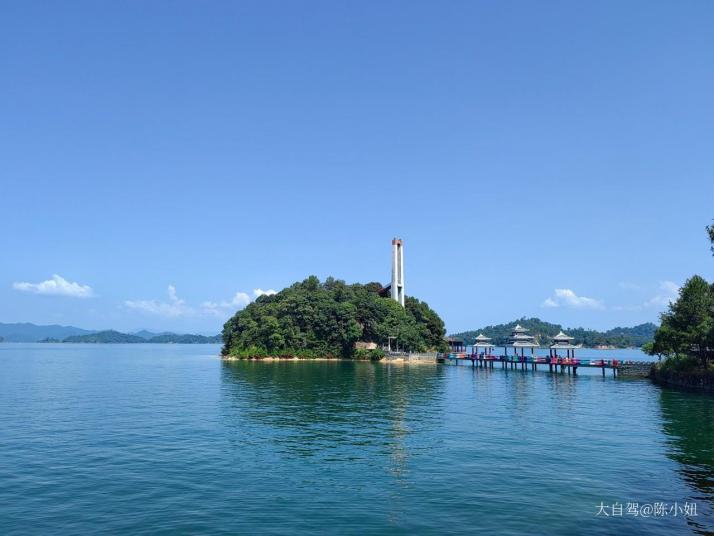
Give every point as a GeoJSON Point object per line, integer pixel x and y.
{"type": "Point", "coordinates": [396, 241]}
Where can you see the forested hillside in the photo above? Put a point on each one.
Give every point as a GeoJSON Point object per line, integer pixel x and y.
{"type": "Point", "coordinates": [545, 331]}
{"type": "Point", "coordinates": [314, 319]}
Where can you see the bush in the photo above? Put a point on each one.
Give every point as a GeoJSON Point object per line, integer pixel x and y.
{"type": "Point", "coordinates": [368, 355]}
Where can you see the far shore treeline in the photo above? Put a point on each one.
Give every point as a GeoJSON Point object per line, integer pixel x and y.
{"type": "Point", "coordinates": [116, 337]}
{"type": "Point", "coordinates": [328, 319]}
{"type": "Point", "coordinates": [544, 332]}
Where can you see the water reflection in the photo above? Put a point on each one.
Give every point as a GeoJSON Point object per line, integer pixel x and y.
{"type": "Point", "coordinates": [688, 422]}
{"type": "Point", "coordinates": [336, 410]}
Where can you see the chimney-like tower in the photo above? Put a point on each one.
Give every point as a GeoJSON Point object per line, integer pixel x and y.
{"type": "Point", "coordinates": [398, 271]}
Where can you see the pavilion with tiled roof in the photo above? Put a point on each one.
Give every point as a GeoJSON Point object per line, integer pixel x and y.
{"type": "Point", "coordinates": [520, 338]}
{"type": "Point", "coordinates": [563, 342]}
{"type": "Point", "coordinates": [481, 341]}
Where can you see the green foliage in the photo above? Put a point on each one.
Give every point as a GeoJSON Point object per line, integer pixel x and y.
{"type": "Point", "coordinates": [109, 336]}
{"type": "Point", "coordinates": [687, 328]}
{"type": "Point", "coordinates": [545, 331]}
{"type": "Point", "coordinates": [314, 319]}
{"type": "Point", "coordinates": [685, 371]}
{"type": "Point", "coordinates": [185, 339]}
{"type": "Point", "coordinates": [679, 364]}
{"type": "Point", "coordinates": [370, 355]}
{"type": "Point", "coordinates": [686, 336]}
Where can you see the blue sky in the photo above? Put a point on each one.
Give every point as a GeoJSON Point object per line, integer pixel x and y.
{"type": "Point", "coordinates": [164, 160]}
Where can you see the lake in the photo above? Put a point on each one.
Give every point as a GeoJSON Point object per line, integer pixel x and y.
{"type": "Point", "coordinates": [159, 439]}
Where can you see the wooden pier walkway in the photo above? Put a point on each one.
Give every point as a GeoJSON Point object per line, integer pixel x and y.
{"type": "Point", "coordinates": [569, 365]}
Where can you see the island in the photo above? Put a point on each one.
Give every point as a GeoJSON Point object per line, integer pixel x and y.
{"type": "Point", "coordinates": [331, 319]}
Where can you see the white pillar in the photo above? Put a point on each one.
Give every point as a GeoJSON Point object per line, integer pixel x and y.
{"type": "Point", "coordinates": [401, 273]}
{"type": "Point", "coordinates": [398, 271]}
{"type": "Point", "coordinates": [394, 270]}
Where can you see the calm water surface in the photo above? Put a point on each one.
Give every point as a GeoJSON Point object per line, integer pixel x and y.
{"type": "Point", "coordinates": [160, 439]}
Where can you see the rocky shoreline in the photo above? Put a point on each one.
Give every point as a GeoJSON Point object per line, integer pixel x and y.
{"type": "Point", "coordinates": [701, 382]}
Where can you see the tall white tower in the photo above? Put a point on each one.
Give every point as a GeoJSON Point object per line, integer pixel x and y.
{"type": "Point", "coordinates": [398, 271]}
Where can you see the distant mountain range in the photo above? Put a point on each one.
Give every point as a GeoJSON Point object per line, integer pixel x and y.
{"type": "Point", "coordinates": [545, 331]}
{"type": "Point", "coordinates": [26, 332]}
{"type": "Point", "coordinates": [111, 336]}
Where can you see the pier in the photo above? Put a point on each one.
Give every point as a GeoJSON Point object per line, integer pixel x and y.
{"type": "Point", "coordinates": [566, 364]}
{"type": "Point", "coordinates": [483, 356]}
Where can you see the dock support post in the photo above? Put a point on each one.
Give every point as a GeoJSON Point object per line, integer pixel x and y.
{"type": "Point", "coordinates": [603, 371]}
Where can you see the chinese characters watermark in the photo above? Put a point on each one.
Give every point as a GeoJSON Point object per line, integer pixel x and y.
{"type": "Point", "coordinates": [655, 509]}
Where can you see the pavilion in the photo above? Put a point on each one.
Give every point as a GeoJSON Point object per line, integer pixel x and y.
{"type": "Point", "coordinates": [563, 342]}
{"type": "Point", "coordinates": [456, 344]}
{"type": "Point", "coordinates": [483, 342]}
{"type": "Point", "coordinates": [520, 338]}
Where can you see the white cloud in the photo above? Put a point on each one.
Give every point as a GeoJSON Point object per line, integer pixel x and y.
{"type": "Point", "coordinates": [564, 297]}
{"type": "Point", "coordinates": [174, 307]}
{"type": "Point", "coordinates": [668, 292]}
{"type": "Point", "coordinates": [56, 286]}
{"type": "Point", "coordinates": [550, 302]}
{"type": "Point", "coordinates": [260, 292]}
{"type": "Point", "coordinates": [221, 309]}
{"type": "Point", "coordinates": [626, 285]}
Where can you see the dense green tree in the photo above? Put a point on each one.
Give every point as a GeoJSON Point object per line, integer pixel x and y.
{"type": "Point", "coordinates": [431, 327]}
{"type": "Point", "coordinates": [688, 325]}
{"type": "Point", "coordinates": [710, 232]}
{"type": "Point", "coordinates": [314, 319]}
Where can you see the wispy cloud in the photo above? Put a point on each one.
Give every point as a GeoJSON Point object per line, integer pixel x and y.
{"type": "Point", "coordinates": [175, 306]}
{"type": "Point", "coordinates": [667, 291]}
{"type": "Point", "coordinates": [260, 292]}
{"type": "Point", "coordinates": [221, 309]}
{"type": "Point", "coordinates": [239, 301]}
{"type": "Point", "coordinates": [56, 286]}
{"type": "Point", "coordinates": [565, 297]}
{"type": "Point", "coordinates": [172, 308]}
{"type": "Point", "coordinates": [626, 285]}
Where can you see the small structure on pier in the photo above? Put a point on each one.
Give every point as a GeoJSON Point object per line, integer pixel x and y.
{"type": "Point", "coordinates": [483, 342]}
{"type": "Point", "coordinates": [456, 344]}
{"type": "Point", "coordinates": [563, 342]}
{"type": "Point", "coordinates": [520, 338]}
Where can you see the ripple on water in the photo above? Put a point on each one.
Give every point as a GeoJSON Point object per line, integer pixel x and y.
{"type": "Point", "coordinates": [151, 439]}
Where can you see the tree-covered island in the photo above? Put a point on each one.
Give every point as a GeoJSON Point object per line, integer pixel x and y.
{"type": "Point", "coordinates": [327, 319]}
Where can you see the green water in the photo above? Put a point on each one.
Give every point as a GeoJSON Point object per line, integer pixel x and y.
{"type": "Point", "coordinates": [166, 439]}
